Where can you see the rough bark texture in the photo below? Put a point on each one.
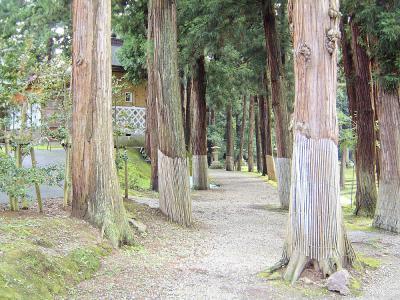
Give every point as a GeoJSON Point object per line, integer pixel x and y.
{"type": "Point", "coordinates": [151, 112]}
{"type": "Point", "coordinates": [366, 194]}
{"type": "Point", "coordinates": [172, 164]}
{"type": "Point", "coordinates": [96, 191]}
{"type": "Point", "coordinates": [263, 134]}
{"type": "Point", "coordinates": [242, 128]}
{"type": "Point", "coordinates": [316, 231]}
{"type": "Point", "coordinates": [229, 161]}
{"type": "Point", "coordinates": [199, 132]}
{"type": "Point", "coordinates": [258, 140]}
{"type": "Point", "coordinates": [188, 116]}
{"type": "Point", "coordinates": [387, 214]}
{"type": "Point", "coordinates": [279, 102]}
{"type": "Point", "coordinates": [348, 67]}
{"type": "Point", "coordinates": [250, 151]}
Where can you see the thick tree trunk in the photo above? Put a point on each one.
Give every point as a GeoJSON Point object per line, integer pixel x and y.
{"type": "Point", "coordinates": [348, 67]}
{"type": "Point", "coordinates": [366, 194]}
{"type": "Point", "coordinates": [241, 144]}
{"type": "Point", "coordinates": [188, 115]}
{"type": "Point", "coordinates": [199, 133]}
{"type": "Point", "coordinates": [229, 161]}
{"type": "Point", "coordinates": [250, 151]}
{"type": "Point", "coordinates": [387, 214]}
{"type": "Point", "coordinates": [182, 92]}
{"type": "Point", "coordinates": [263, 133]}
{"type": "Point", "coordinates": [316, 232]}
{"type": "Point", "coordinates": [96, 190]}
{"type": "Point", "coordinates": [269, 152]}
{"type": "Point", "coordinates": [279, 103]}
{"type": "Point", "coordinates": [258, 140]}
{"type": "Point", "coordinates": [172, 164]}
{"type": "Point", "coordinates": [151, 112]}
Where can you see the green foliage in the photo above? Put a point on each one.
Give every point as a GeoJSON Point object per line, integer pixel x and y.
{"type": "Point", "coordinates": [14, 181]}
{"type": "Point", "coordinates": [380, 22]}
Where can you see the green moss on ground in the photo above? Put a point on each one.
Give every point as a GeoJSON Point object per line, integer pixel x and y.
{"type": "Point", "coordinates": [356, 223]}
{"type": "Point", "coordinates": [139, 175]}
{"type": "Point", "coordinates": [306, 290]}
{"type": "Point", "coordinates": [42, 257]}
{"type": "Point", "coordinates": [368, 262]}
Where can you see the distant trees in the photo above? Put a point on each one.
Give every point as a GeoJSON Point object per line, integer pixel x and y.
{"type": "Point", "coordinates": [316, 231]}
{"type": "Point", "coordinates": [96, 191]}
{"type": "Point", "coordinates": [173, 173]}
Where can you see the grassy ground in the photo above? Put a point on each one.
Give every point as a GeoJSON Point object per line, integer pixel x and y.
{"type": "Point", "coordinates": [350, 184]}
{"type": "Point", "coordinates": [139, 174]}
{"type": "Point", "coordinates": [42, 256]}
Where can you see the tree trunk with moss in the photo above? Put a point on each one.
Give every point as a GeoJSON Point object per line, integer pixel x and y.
{"type": "Point", "coordinates": [316, 233]}
{"type": "Point", "coordinates": [151, 112]}
{"type": "Point", "coordinates": [263, 134]}
{"type": "Point", "coordinates": [366, 194]}
{"type": "Point", "coordinates": [279, 103]}
{"type": "Point", "coordinates": [229, 160]}
{"type": "Point", "coordinates": [250, 151]}
{"type": "Point", "coordinates": [241, 144]}
{"type": "Point", "coordinates": [199, 132]}
{"type": "Point", "coordinates": [387, 214]}
{"type": "Point", "coordinates": [173, 179]}
{"type": "Point", "coordinates": [96, 190]}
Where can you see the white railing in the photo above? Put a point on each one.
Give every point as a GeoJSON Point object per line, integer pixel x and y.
{"type": "Point", "coordinates": [130, 119]}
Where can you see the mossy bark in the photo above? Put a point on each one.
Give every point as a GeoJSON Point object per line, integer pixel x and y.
{"type": "Point", "coordinates": [96, 191]}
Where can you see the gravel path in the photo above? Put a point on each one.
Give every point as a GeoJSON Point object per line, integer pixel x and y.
{"type": "Point", "coordinates": [238, 232]}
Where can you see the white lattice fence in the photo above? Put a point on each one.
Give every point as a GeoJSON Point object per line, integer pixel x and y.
{"type": "Point", "coordinates": [131, 119]}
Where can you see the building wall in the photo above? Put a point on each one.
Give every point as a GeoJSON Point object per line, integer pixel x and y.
{"type": "Point", "coordinates": [139, 92]}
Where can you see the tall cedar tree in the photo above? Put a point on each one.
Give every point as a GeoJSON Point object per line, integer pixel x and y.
{"type": "Point", "coordinates": [279, 103]}
{"type": "Point", "coordinates": [96, 191]}
{"type": "Point", "coordinates": [151, 111]}
{"type": "Point", "coordinates": [258, 137]}
{"type": "Point", "coordinates": [173, 180]}
{"type": "Point", "coordinates": [241, 143]}
{"type": "Point", "coordinates": [199, 129]}
{"type": "Point", "coordinates": [366, 194]}
{"type": "Point", "coordinates": [316, 230]}
{"type": "Point", "coordinates": [250, 151]}
{"type": "Point", "coordinates": [229, 161]}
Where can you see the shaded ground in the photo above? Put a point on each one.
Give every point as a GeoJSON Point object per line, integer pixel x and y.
{"type": "Point", "coordinates": [238, 233]}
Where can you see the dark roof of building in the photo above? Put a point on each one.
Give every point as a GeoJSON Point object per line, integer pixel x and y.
{"type": "Point", "coordinates": [115, 45]}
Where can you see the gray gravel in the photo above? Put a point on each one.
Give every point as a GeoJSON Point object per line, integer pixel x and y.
{"type": "Point", "coordinates": [233, 239]}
